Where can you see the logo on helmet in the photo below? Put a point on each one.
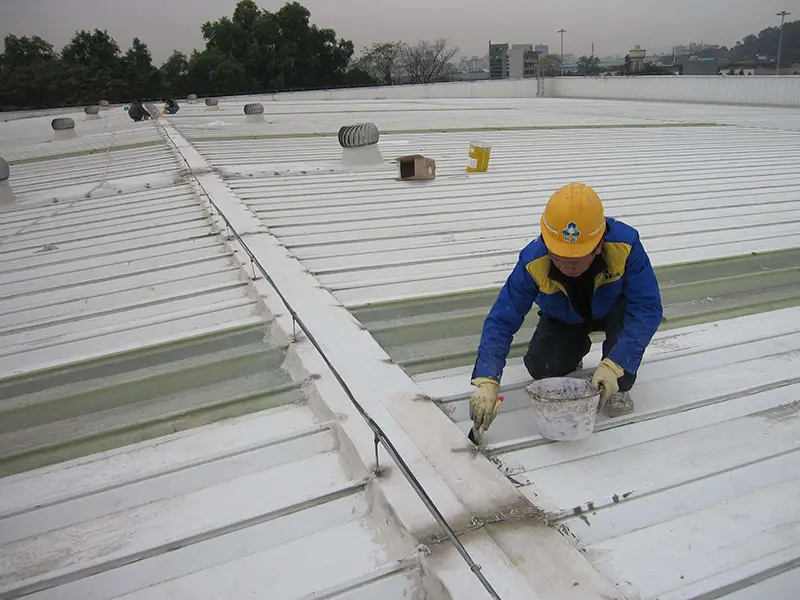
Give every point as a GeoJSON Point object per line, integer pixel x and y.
{"type": "Point", "coordinates": [571, 233]}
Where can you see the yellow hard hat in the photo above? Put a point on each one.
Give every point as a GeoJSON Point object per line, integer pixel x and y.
{"type": "Point", "coordinates": [573, 222]}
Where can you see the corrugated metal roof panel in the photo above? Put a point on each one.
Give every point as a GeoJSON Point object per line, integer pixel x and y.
{"type": "Point", "coordinates": [369, 238]}
{"type": "Point", "coordinates": [651, 497]}
{"type": "Point", "coordinates": [127, 331]}
{"type": "Point", "coordinates": [392, 250]}
{"type": "Point", "coordinates": [253, 504]}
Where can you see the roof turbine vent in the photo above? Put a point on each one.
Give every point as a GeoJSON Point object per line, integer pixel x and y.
{"type": "Point", "coordinates": [103, 104]}
{"type": "Point", "coordinates": [360, 144]}
{"type": "Point", "coordinates": [254, 112]}
{"type": "Point", "coordinates": [192, 98]}
{"type": "Point", "coordinates": [212, 104]}
{"type": "Point", "coordinates": [6, 193]}
{"type": "Point", "coordinates": [92, 113]}
{"type": "Point", "coordinates": [357, 136]}
{"type": "Point", "coordinates": [64, 128]}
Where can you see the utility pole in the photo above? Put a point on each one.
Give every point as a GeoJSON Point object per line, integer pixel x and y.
{"type": "Point", "coordinates": [592, 49]}
{"type": "Point", "coordinates": [562, 32]}
{"type": "Point", "coordinates": [783, 14]}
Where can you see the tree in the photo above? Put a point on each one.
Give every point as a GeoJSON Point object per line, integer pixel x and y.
{"type": "Point", "coordinates": [273, 50]}
{"type": "Point", "coordinates": [382, 61]}
{"type": "Point", "coordinates": [141, 78]}
{"type": "Point", "coordinates": [355, 77]}
{"type": "Point", "coordinates": [427, 62]}
{"type": "Point", "coordinates": [91, 68]}
{"type": "Point", "coordinates": [27, 69]}
{"type": "Point", "coordinates": [588, 65]}
{"type": "Point", "coordinates": [96, 50]}
{"type": "Point", "coordinates": [175, 75]}
{"type": "Point", "coordinates": [549, 65]}
{"type": "Point", "coordinates": [25, 52]}
{"type": "Point", "coordinates": [766, 44]}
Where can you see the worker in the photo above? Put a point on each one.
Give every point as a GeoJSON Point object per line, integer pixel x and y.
{"type": "Point", "coordinates": [171, 106]}
{"type": "Point", "coordinates": [586, 272]}
{"type": "Point", "coordinates": [137, 112]}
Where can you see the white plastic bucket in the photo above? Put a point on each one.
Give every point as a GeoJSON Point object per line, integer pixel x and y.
{"type": "Point", "coordinates": [565, 408]}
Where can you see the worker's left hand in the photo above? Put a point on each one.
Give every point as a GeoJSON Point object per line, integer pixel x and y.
{"type": "Point", "coordinates": [605, 380]}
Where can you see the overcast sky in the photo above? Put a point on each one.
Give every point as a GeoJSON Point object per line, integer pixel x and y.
{"type": "Point", "coordinates": [614, 25]}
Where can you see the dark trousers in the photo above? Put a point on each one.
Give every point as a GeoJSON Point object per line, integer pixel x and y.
{"type": "Point", "coordinates": [557, 347]}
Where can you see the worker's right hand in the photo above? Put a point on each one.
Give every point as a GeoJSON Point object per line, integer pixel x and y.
{"type": "Point", "coordinates": [482, 403]}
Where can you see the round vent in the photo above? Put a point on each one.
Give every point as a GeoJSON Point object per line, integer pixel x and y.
{"type": "Point", "coordinates": [104, 103]}
{"type": "Point", "coordinates": [355, 136]}
{"type": "Point", "coordinates": [5, 172]}
{"type": "Point", "coordinates": [191, 97]}
{"type": "Point", "coordinates": [63, 124]}
{"type": "Point", "coordinates": [212, 102]}
{"type": "Point", "coordinates": [254, 109]}
{"type": "Point", "coordinates": [91, 110]}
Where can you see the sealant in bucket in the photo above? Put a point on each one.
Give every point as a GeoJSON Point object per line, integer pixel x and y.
{"type": "Point", "coordinates": [565, 408]}
{"type": "Point", "coordinates": [479, 153]}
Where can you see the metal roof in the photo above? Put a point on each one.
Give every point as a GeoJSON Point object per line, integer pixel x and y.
{"type": "Point", "coordinates": [152, 442]}
{"type": "Point", "coordinates": [715, 194]}
{"type": "Point", "coordinates": [286, 499]}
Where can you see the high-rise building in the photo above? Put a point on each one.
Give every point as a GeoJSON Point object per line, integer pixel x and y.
{"type": "Point", "coordinates": [522, 59]}
{"type": "Point", "coordinates": [516, 62]}
{"type": "Point", "coordinates": [498, 61]}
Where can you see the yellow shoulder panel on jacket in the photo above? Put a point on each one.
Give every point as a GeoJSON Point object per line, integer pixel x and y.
{"type": "Point", "coordinates": [540, 271]}
{"type": "Point", "coordinates": [616, 255]}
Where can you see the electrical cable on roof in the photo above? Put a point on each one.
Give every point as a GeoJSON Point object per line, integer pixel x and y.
{"type": "Point", "coordinates": [376, 429]}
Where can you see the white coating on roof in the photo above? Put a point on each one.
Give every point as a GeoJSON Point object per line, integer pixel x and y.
{"type": "Point", "coordinates": [691, 493]}
{"type": "Point", "coordinates": [693, 192]}
{"type": "Point", "coordinates": [124, 314]}
{"type": "Point", "coordinates": [656, 492]}
{"type": "Point", "coordinates": [308, 519]}
{"type": "Point", "coordinates": [106, 253]}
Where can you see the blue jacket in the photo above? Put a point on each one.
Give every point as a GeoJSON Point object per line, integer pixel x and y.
{"type": "Point", "coordinates": [628, 274]}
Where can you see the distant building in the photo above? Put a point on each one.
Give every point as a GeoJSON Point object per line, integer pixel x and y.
{"type": "Point", "coordinates": [637, 55]}
{"type": "Point", "coordinates": [522, 59]}
{"type": "Point", "coordinates": [693, 65]}
{"type": "Point", "coordinates": [498, 61]}
{"type": "Point", "coordinates": [474, 63]}
{"type": "Point", "coordinates": [518, 61]}
{"type": "Point", "coordinates": [469, 75]}
{"type": "Point", "coordinates": [570, 64]}
{"type": "Point", "coordinates": [542, 49]}
{"type": "Point", "coordinates": [693, 48]}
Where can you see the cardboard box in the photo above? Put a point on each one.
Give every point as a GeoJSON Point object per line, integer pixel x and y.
{"type": "Point", "coordinates": [416, 168]}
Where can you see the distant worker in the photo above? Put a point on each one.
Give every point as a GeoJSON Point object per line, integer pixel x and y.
{"type": "Point", "coordinates": [171, 106]}
{"type": "Point", "coordinates": [137, 112]}
{"type": "Point", "coordinates": [587, 272]}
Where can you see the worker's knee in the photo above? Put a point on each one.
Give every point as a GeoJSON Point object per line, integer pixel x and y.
{"type": "Point", "coordinates": [543, 364]}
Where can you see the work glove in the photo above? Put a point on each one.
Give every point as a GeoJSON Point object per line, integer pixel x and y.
{"type": "Point", "coordinates": [605, 379]}
{"type": "Point", "coordinates": [482, 403]}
